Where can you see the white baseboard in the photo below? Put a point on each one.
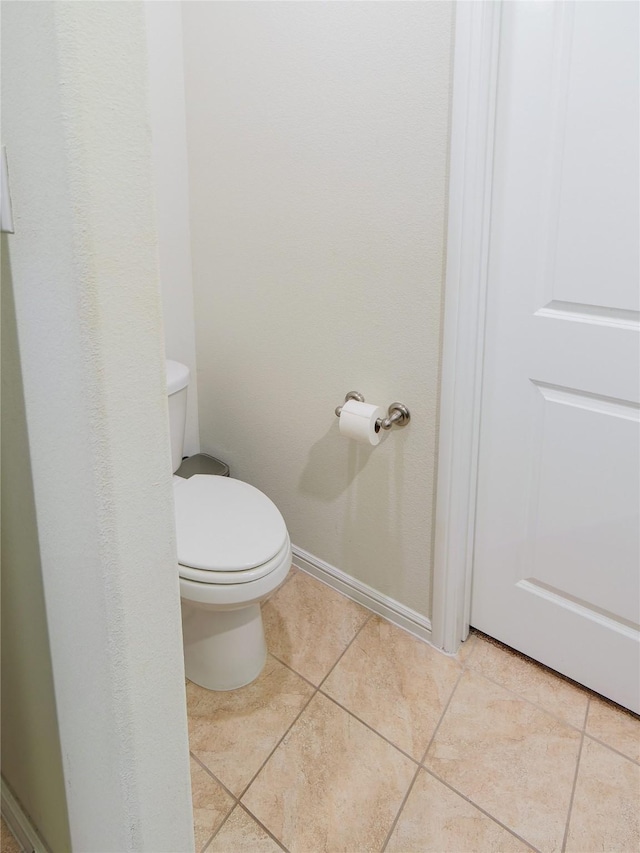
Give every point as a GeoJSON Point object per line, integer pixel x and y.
{"type": "Point", "coordinates": [19, 823]}
{"type": "Point", "coordinates": [392, 610]}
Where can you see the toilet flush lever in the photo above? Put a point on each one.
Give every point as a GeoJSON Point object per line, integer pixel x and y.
{"type": "Point", "coordinates": [398, 414]}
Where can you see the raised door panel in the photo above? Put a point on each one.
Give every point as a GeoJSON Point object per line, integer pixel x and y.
{"type": "Point", "coordinates": [596, 249]}
{"type": "Point", "coordinates": [584, 502]}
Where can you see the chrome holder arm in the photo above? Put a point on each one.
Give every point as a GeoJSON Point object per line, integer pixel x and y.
{"type": "Point", "coordinates": [398, 412]}
{"type": "Point", "coordinates": [398, 416]}
{"type": "Point", "coordinates": [352, 395]}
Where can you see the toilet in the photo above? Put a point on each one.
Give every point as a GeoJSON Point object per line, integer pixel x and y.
{"type": "Point", "coordinates": [233, 551]}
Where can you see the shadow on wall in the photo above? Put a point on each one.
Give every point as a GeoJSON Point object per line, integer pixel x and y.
{"type": "Point", "coordinates": [369, 482]}
{"type": "Point", "coordinates": [378, 505]}
{"type": "Point", "coordinates": [333, 464]}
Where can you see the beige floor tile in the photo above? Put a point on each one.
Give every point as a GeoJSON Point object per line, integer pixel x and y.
{"type": "Point", "coordinates": [509, 757]}
{"type": "Point", "coordinates": [241, 834]}
{"type": "Point", "coordinates": [531, 681]}
{"type": "Point", "coordinates": [396, 683]}
{"type": "Point", "coordinates": [308, 625]}
{"type": "Point", "coordinates": [437, 820]}
{"type": "Point", "coordinates": [8, 842]}
{"type": "Point", "coordinates": [232, 733]}
{"type": "Point", "coordinates": [332, 784]}
{"type": "Point", "coordinates": [614, 726]}
{"type": "Point", "coordinates": [292, 571]}
{"type": "Point", "coordinates": [211, 804]}
{"type": "Point", "coordinates": [606, 806]}
{"type": "Point", "coordinates": [466, 649]}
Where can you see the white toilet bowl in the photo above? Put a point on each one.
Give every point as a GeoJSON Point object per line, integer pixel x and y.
{"type": "Point", "coordinates": [233, 551]}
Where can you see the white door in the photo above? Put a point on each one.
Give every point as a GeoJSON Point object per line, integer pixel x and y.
{"type": "Point", "coordinates": [556, 570]}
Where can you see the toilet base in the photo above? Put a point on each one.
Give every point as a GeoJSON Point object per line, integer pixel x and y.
{"type": "Point", "coordinates": [223, 649]}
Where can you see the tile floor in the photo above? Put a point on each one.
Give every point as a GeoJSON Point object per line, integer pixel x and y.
{"type": "Point", "coordinates": [8, 843]}
{"type": "Point", "coordinates": [359, 737]}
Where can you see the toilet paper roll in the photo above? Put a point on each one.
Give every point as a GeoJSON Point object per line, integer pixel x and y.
{"type": "Point", "coordinates": [358, 421]}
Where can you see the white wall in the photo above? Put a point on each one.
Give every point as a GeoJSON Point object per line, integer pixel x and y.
{"type": "Point", "coordinates": [318, 144]}
{"type": "Point", "coordinates": [84, 268]}
{"type": "Point", "coordinates": [31, 758]}
{"type": "Point", "coordinates": [171, 190]}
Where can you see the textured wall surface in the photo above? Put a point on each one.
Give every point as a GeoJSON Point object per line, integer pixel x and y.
{"type": "Point", "coordinates": [318, 140]}
{"type": "Point", "coordinates": [84, 268]}
{"type": "Point", "coordinates": [31, 760]}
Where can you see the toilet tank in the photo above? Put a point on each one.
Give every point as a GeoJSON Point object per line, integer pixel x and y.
{"type": "Point", "coordinates": [177, 382]}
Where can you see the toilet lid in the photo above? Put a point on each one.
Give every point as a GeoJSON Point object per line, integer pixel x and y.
{"type": "Point", "coordinates": [226, 525]}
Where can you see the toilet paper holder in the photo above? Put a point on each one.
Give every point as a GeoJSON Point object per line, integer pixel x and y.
{"type": "Point", "coordinates": [398, 412]}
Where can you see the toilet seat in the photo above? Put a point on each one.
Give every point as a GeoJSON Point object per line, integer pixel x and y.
{"type": "Point", "coordinates": [222, 596]}
{"type": "Point", "coordinates": [208, 576]}
{"type": "Point", "coordinates": [227, 531]}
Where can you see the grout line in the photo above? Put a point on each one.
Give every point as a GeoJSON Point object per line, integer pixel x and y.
{"type": "Point", "coordinates": [479, 808]}
{"type": "Point", "coordinates": [402, 805]}
{"type": "Point", "coordinates": [464, 797]}
{"type": "Point", "coordinates": [444, 711]}
{"type": "Point", "coordinates": [238, 805]}
{"type": "Point", "coordinates": [586, 714]}
{"type": "Point", "coordinates": [467, 666]}
{"type": "Point", "coordinates": [528, 701]}
{"type": "Point", "coordinates": [364, 723]}
{"type": "Point", "coordinates": [294, 721]}
{"type": "Point", "coordinates": [214, 777]}
{"type": "Point", "coordinates": [204, 849]}
{"type": "Point", "coordinates": [304, 707]}
{"type": "Point", "coordinates": [459, 793]}
{"type": "Point", "coordinates": [420, 765]}
{"type": "Point", "coordinates": [573, 788]}
{"type": "Point", "coordinates": [612, 749]}
{"type": "Point", "coordinates": [204, 846]}
{"type": "Point", "coordinates": [294, 671]}
{"type": "Point", "coordinates": [259, 822]}
{"type": "Point", "coordinates": [346, 648]}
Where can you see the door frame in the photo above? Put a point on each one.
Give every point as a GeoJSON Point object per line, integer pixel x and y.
{"type": "Point", "coordinates": [475, 84]}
